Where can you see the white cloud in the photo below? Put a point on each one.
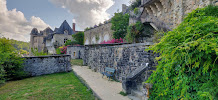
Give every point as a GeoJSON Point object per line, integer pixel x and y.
{"type": "Point", "coordinates": [13, 23]}
{"type": "Point", "coordinates": [87, 12]}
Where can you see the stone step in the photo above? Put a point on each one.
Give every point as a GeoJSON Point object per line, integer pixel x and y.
{"type": "Point", "coordinates": [138, 94]}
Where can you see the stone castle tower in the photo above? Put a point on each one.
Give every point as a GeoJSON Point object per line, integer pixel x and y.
{"type": "Point", "coordinates": [48, 40]}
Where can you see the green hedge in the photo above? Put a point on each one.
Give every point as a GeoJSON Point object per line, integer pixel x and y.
{"type": "Point", "coordinates": [188, 63]}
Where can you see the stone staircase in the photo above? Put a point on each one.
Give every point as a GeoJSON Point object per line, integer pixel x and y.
{"type": "Point", "coordinates": [133, 84]}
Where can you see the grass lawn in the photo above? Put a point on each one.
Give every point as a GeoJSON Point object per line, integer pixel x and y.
{"type": "Point", "coordinates": [78, 62]}
{"type": "Point", "coordinates": [56, 86]}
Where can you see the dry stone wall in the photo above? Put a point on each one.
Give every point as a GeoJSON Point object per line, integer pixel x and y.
{"type": "Point", "coordinates": [124, 58]}
{"type": "Point", "coordinates": [42, 65]}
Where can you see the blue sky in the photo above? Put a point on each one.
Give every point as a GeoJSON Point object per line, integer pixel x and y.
{"type": "Point", "coordinates": [49, 12]}
{"type": "Point", "coordinates": [19, 17]}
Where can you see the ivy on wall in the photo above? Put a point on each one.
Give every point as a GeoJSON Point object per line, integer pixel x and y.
{"type": "Point", "coordinates": [188, 62]}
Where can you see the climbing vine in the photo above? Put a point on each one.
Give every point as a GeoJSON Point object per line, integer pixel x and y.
{"type": "Point", "coordinates": [188, 62]}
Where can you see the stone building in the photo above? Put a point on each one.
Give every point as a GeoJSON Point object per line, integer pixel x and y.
{"type": "Point", "coordinates": [99, 34]}
{"type": "Point", "coordinates": [48, 40]}
{"type": "Point", "coordinates": [102, 32]}
{"type": "Point", "coordinates": [167, 14]}
{"type": "Point", "coordinates": [76, 52]}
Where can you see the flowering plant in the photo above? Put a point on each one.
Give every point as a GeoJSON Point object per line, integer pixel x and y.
{"type": "Point", "coordinates": [113, 41]}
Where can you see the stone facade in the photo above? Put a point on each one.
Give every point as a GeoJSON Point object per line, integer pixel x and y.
{"type": "Point", "coordinates": [57, 41]}
{"type": "Point", "coordinates": [132, 63]}
{"type": "Point", "coordinates": [76, 52]}
{"type": "Point", "coordinates": [48, 40]}
{"type": "Point", "coordinates": [98, 34]}
{"type": "Point", "coordinates": [102, 32]}
{"type": "Point", "coordinates": [42, 65]}
{"type": "Point", "coordinates": [37, 39]}
{"type": "Point", "coordinates": [124, 58]}
{"type": "Point", "coordinates": [167, 14]}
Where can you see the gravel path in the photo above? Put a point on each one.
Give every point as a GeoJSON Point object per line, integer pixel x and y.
{"type": "Point", "coordinates": [106, 90]}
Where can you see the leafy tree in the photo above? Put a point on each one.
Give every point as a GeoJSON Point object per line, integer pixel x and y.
{"type": "Point", "coordinates": [134, 4]}
{"type": "Point", "coordinates": [11, 65]}
{"type": "Point", "coordinates": [79, 37]}
{"type": "Point", "coordinates": [69, 42]}
{"type": "Point", "coordinates": [188, 63]}
{"type": "Point", "coordinates": [120, 23]}
{"type": "Point", "coordinates": [87, 28]}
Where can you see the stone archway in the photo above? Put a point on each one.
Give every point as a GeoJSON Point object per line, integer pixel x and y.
{"type": "Point", "coordinates": [93, 40]}
{"type": "Point", "coordinates": [106, 37]}
{"type": "Point", "coordinates": [87, 42]}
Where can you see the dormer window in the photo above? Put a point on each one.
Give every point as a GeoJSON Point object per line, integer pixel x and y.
{"type": "Point", "coordinates": [66, 32]}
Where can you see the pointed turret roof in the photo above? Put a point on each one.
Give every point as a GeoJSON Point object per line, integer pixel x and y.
{"type": "Point", "coordinates": [48, 30]}
{"type": "Point", "coordinates": [34, 31]}
{"type": "Point", "coordinates": [64, 26]}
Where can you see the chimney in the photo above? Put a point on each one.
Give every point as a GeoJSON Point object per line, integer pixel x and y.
{"type": "Point", "coordinates": [74, 26]}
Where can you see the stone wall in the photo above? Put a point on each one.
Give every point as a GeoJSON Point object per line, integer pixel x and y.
{"type": "Point", "coordinates": [167, 14]}
{"type": "Point", "coordinates": [42, 65]}
{"type": "Point", "coordinates": [124, 58]}
{"type": "Point", "coordinates": [76, 52]}
{"type": "Point", "coordinates": [99, 34]}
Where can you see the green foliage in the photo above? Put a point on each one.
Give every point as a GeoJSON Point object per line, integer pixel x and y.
{"type": "Point", "coordinates": [11, 65]}
{"type": "Point", "coordinates": [87, 28]}
{"type": "Point", "coordinates": [60, 86]}
{"type": "Point", "coordinates": [135, 4]}
{"type": "Point", "coordinates": [79, 37]}
{"type": "Point", "coordinates": [120, 23]}
{"type": "Point", "coordinates": [157, 36]}
{"type": "Point", "coordinates": [136, 11]}
{"type": "Point", "coordinates": [19, 45]}
{"type": "Point", "coordinates": [35, 52]}
{"type": "Point", "coordinates": [135, 31]}
{"type": "Point", "coordinates": [69, 42]}
{"type": "Point", "coordinates": [123, 93]}
{"type": "Point", "coordinates": [188, 63]}
{"type": "Point", "coordinates": [58, 51]}
{"type": "Point", "coordinates": [97, 38]}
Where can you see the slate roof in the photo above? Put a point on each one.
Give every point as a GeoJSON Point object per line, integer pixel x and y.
{"type": "Point", "coordinates": [34, 31]}
{"type": "Point", "coordinates": [64, 26]}
{"type": "Point", "coordinates": [48, 30]}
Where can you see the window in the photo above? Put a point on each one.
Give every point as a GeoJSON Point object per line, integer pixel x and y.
{"type": "Point", "coordinates": [69, 52]}
{"type": "Point", "coordinates": [66, 32]}
{"type": "Point", "coordinates": [65, 40]}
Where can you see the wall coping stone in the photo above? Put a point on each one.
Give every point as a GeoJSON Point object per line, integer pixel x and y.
{"type": "Point", "coordinates": [47, 56]}
{"type": "Point", "coordinates": [120, 44]}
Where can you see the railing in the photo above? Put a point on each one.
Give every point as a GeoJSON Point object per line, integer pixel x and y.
{"type": "Point", "coordinates": [145, 1]}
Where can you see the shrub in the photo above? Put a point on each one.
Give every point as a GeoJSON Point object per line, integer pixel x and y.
{"type": "Point", "coordinates": [69, 42]}
{"type": "Point", "coordinates": [63, 49]}
{"type": "Point", "coordinates": [113, 41]}
{"type": "Point", "coordinates": [136, 31]}
{"type": "Point", "coordinates": [58, 51]}
{"type": "Point", "coordinates": [35, 52]}
{"type": "Point", "coordinates": [188, 62]}
{"type": "Point", "coordinates": [11, 65]}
